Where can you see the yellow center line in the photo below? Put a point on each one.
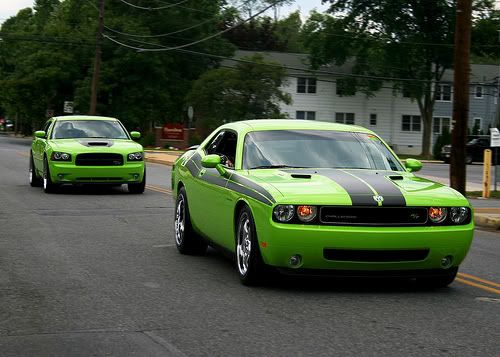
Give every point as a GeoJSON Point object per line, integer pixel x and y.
{"type": "Point", "coordinates": [487, 210]}
{"type": "Point", "coordinates": [472, 277]}
{"type": "Point", "coordinates": [467, 282]}
{"type": "Point", "coordinates": [158, 189]}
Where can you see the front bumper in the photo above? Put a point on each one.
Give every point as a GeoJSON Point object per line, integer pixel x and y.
{"type": "Point", "coordinates": [279, 242]}
{"type": "Point", "coordinates": [69, 173]}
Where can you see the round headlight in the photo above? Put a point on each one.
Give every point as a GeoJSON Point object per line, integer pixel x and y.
{"type": "Point", "coordinates": [57, 155]}
{"type": "Point", "coordinates": [459, 215]}
{"type": "Point", "coordinates": [65, 156]}
{"type": "Point", "coordinates": [283, 213]}
{"type": "Point", "coordinates": [437, 214]}
{"type": "Point", "coordinates": [306, 213]}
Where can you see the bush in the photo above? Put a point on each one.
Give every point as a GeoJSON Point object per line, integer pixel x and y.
{"type": "Point", "coordinates": [194, 139]}
{"type": "Point", "coordinates": [442, 140]}
{"type": "Point", "coordinates": [148, 140]}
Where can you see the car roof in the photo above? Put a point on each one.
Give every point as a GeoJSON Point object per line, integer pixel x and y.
{"type": "Point", "coordinates": [83, 117]}
{"type": "Point", "coordinates": [291, 124]}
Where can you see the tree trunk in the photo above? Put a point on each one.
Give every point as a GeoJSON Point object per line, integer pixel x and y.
{"type": "Point", "coordinates": [427, 134]}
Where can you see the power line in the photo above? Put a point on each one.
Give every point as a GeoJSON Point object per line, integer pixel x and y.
{"type": "Point", "coordinates": [141, 49]}
{"type": "Point", "coordinates": [213, 19]}
{"type": "Point", "coordinates": [163, 49]}
{"type": "Point", "coordinates": [169, 5]}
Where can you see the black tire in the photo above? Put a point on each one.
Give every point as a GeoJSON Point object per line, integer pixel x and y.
{"type": "Point", "coordinates": [468, 159]}
{"type": "Point", "coordinates": [48, 185]}
{"type": "Point", "coordinates": [35, 180]}
{"type": "Point", "coordinates": [249, 262]}
{"type": "Point", "coordinates": [137, 188]}
{"type": "Point", "coordinates": [435, 282]}
{"type": "Point", "coordinates": [187, 240]}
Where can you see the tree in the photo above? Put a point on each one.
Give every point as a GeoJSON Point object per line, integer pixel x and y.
{"type": "Point", "coordinates": [485, 44]}
{"type": "Point", "coordinates": [409, 41]}
{"type": "Point", "coordinates": [250, 90]}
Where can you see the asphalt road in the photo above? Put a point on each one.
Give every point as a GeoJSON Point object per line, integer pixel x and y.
{"type": "Point", "coordinates": [95, 272]}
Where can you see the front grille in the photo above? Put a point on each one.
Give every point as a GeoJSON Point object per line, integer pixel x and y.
{"type": "Point", "coordinates": [360, 255]}
{"type": "Point", "coordinates": [99, 179]}
{"type": "Point", "coordinates": [99, 159]}
{"type": "Point", "coordinates": [373, 216]}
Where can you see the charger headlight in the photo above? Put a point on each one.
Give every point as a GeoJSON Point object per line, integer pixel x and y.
{"type": "Point", "coordinates": [60, 156]}
{"type": "Point", "coordinates": [459, 215]}
{"type": "Point", "coordinates": [135, 156]}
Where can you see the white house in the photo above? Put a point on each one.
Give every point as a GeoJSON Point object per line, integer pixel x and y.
{"type": "Point", "coordinates": [394, 117]}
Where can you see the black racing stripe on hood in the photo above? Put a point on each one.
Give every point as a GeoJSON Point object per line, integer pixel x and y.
{"type": "Point", "coordinates": [393, 197]}
{"type": "Point", "coordinates": [361, 194]}
{"type": "Point", "coordinates": [248, 183]}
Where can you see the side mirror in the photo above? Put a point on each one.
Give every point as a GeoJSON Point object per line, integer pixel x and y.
{"type": "Point", "coordinates": [413, 165]}
{"type": "Point", "coordinates": [213, 161]}
{"type": "Point", "coordinates": [40, 134]}
{"type": "Point", "coordinates": [135, 135]}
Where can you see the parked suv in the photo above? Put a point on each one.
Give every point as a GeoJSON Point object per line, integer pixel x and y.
{"type": "Point", "coordinates": [476, 144]}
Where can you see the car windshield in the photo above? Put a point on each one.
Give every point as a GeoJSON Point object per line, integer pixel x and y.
{"type": "Point", "coordinates": [317, 149]}
{"type": "Point", "coordinates": [108, 129]}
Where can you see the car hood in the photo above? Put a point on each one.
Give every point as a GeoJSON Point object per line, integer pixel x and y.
{"type": "Point", "coordinates": [94, 145]}
{"type": "Point", "coordinates": [353, 187]}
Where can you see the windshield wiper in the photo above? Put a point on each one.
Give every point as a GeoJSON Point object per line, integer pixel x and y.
{"type": "Point", "coordinates": [278, 167]}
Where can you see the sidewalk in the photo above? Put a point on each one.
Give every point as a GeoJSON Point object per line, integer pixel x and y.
{"type": "Point", "coordinates": [488, 217]}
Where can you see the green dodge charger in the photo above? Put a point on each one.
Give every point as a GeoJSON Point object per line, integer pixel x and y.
{"type": "Point", "coordinates": [305, 197]}
{"type": "Point", "coordinates": [85, 150]}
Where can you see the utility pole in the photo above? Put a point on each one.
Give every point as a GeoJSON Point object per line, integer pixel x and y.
{"type": "Point", "coordinates": [97, 60]}
{"type": "Point", "coordinates": [461, 94]}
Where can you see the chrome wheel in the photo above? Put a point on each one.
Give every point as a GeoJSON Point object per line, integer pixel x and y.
{"type": "Point", "coordinates": [180, 220]}
{"type": "Point", "coordinates": [45, 177]}
{"type": "Point", "coordinates": [244, 246]}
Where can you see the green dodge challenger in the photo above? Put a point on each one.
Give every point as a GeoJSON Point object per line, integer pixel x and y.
{"type": "Point", "coordinates": [305, 197]}
{"type": "Point", "coordinates": [84, 150]}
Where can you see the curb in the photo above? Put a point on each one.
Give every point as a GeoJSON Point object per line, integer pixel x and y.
{"type": "Point", "coordinates": [160, 161]}
{"type": "Point", "coordinates": [483, 220]}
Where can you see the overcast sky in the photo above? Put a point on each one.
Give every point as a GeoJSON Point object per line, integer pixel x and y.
{"type": "Point", "coordinates": [10, 8]}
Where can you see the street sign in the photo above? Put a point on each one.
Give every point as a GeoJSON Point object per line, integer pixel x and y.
{"type": "Point", "coordinates": [495, 137]}
{"type": "Point", "coordinates": [49, 113]}
{"type": "Point", "coordinates": [190, 113]}
{"type": "Point", "coordinates": [68, 107]}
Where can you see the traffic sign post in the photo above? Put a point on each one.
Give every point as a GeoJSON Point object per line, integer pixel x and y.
{"type": "Point", "coordinates": [494, 143]}
{"type": "Point", "coordinates": [68, 107]}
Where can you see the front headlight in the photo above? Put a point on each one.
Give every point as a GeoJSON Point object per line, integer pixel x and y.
{"type": "Point", "coordinates": [306, 213]}
{"type": "Point", "coordinates": [437, 214]}
{"type": "Point", "coordinates": [60, 156]}
{"type": "Point", "coordinates": [283, 213]}
{"type": "Point", "coordinates": [135, 156]}
{"type": "Point", "coordinates": [459, 215]}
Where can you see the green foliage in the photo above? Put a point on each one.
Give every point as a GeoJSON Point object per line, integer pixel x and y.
{"type": "Point", "coordinates": [194, 139]}
{"type": "Point", "coordinates": [147, 140]}
{"type": "Point", "coordinates": [484, 42]}
{"type": "Point", "coordinates": [46, 58]}
{"type": "Point", "coordinates": [247, 91]}
{"type": "Point", "coordinates": [442, 140]}
{"type": "Point", "coordinates": [386, 38]}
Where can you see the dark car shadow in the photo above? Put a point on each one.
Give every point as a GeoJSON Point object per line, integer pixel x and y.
{"type": "Point", "coordinates": [93, 189]}
{"type": "Point", "coordinates": [275, 281]}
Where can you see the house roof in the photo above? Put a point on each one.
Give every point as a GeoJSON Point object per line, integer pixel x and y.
{"type": "Point", "coordinates": [298, 63]}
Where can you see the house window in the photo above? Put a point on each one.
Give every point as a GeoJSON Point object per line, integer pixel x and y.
{"type": "Point", "coordinates": [441, 125]}
{"type": "Point", "coordinates": [344, 118]}
{"type": "Point", "coordinates": [477, 123]}
{"type": "Point", "coordinates": [478, 92]}
{"type": "Point", "coordinates": [410, 123]}
{"type": "Point", "coordinates": [443, 92]}
{"type": "Point", "coordinates": [300, 114]}
{"type": "Point", "coordinates": [373, 119]}
{"type": "Point", "coordinates": [306, 85]}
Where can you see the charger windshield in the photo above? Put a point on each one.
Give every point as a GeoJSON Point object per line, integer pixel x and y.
{"type": "Point", "coordinates": [70, 129]}
{"type": "Point", "coordinates": [317, 149]}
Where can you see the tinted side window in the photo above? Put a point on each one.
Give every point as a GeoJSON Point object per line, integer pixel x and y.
{"type": "Point", "coordinates": [46, 127]}
{"type": "Point", "coordinates": [211, 147]}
